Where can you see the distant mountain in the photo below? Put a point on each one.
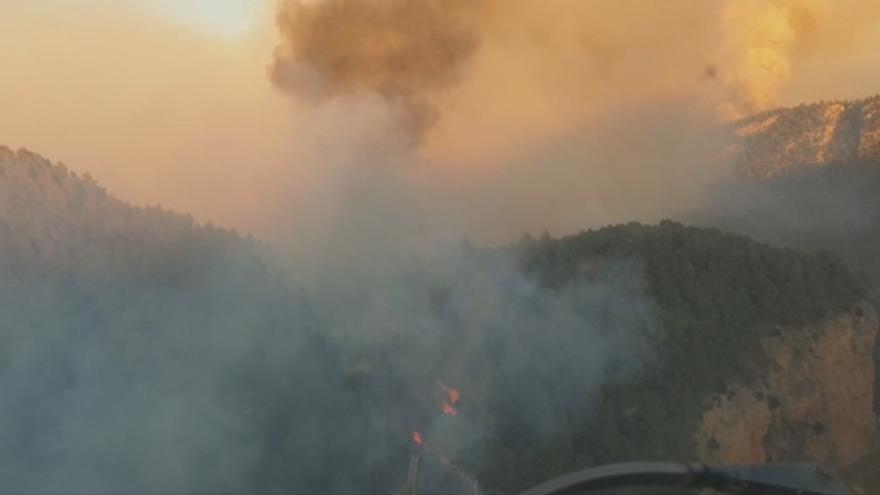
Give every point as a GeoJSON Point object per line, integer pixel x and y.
{"type": "Point", "coordinates": [784, 140]}
{"type": "Point", "coordinates": [811, 181]}
{"type": "Point", "coordinates": [55, 221]}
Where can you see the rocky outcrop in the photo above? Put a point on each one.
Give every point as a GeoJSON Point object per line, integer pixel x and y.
{"type": "Point", "coordinates": [777, 142]}
{"type": "Point", "coordinates": [815, 403]}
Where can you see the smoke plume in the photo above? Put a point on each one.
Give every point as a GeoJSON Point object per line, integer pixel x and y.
{"type": "Point", "coordinates": [765, 42]}
{"type": "Point", "coordinates": [498, 117]}
{"type": "Point", "coordinates": [494, 95]}
{"type": "Point", "coordinates": [402, 50]}
{"type": "Point", "coordinates": [738, 56]}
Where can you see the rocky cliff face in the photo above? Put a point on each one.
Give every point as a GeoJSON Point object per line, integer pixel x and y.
{"type": "Point", "coordinates": [815, 404]}
{"type": "Point", "coordinates": [779, 141]}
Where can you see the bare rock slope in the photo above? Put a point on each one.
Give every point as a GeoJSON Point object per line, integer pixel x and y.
{"type": "Point", "coordinates": [780, 141]}
{"type": "Point", "coordinates": [814, 405]}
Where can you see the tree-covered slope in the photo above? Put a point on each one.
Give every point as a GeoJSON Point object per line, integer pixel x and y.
{"type": "Point", "coordinates": [715, 295]}
{"type": "Point", "coordinates": [835, 208]}
{"type": "Point", "coordinates": [142, 351]}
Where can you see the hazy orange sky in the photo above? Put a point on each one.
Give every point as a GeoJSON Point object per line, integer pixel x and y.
{"type": "Point", "coordinates": [159, 106]}
{"type": "Point", "coordinates": [170, 101]}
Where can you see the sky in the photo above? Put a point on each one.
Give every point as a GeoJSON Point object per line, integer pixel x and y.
{"type": "Point", "coordinates": [558, 115]}
{"type": "Point", "coordinates": [160, 104]}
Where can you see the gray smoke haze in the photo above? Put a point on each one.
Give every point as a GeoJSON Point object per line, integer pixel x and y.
{"type": "Point", "coordinates": [521, 355]}
{"type": "Point", "coordinates": [129, 385]}
{"type": "Point", "coordinates": [222, 387]}
{"type": "Point", "coordinates": [492, 119]}
{"type": "Point", "coordinates": [833, 208]}
{"type": "Point", "coordinates": [143, 353]}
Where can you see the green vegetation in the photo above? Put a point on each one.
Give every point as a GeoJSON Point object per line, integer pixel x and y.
{"type": "Point", "coordinates": [716, 294]}
{"type": "Point", "coordinates": [835, 208]}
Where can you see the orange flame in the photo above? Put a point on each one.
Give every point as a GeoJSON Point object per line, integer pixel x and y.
{"type": "Point", "coordinates": [419, 440]}
{"type": "Point", "coordinates": [452, 392]}
{"type": "Point", "coordinates": [452, 398]}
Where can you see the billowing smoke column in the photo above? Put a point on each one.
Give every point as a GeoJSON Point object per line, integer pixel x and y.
{"type": "Point", "coordinates": [400, 49]}
{"type": "Point", "coordinates": [408, 51]}
{"type": "Point", "coordinates": [520, 116]}
{"type": "Point", "coordinates": [487, 88]}
{"type": "Point", "coordinates": [764, 41]}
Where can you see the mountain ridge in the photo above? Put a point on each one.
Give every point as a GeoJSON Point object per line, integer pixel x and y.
{"type": "Point", "coordinates": [53, 219]}
{"type": "Point", "coordinates": [784, 140]}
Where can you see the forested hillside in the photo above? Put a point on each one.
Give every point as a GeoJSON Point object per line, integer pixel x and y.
{"type": "Point", "coordinates": [55, 221]}
{"type": "Point", "coordinates": [142, 351]}
{"type": "Point", "coordinates": [716, 295]}
{"type": "Point", "coordinates": [835, 208]}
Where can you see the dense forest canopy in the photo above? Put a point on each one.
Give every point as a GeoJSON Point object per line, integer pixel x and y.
{"type": "Point", "coordinates": [715, 294]}
{"type": "Point", "coordinates": [834, 208]}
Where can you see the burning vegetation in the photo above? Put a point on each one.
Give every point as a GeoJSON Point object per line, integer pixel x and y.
{"type": "Point", "coordinates": [450, 399]}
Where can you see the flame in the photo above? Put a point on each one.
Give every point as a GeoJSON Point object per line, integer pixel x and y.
{"type": "Point", "coordinates": [417, 438]}
{"type": "Point", "coordinates": [451, 399]}
{"type": "Point", "coordinates": [454, 395]}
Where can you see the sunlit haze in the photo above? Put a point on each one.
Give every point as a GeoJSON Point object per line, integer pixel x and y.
{"type": "Point", "coordinates": [228, 18]}
{"type": "Point", "coordinates": [173, 102]}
